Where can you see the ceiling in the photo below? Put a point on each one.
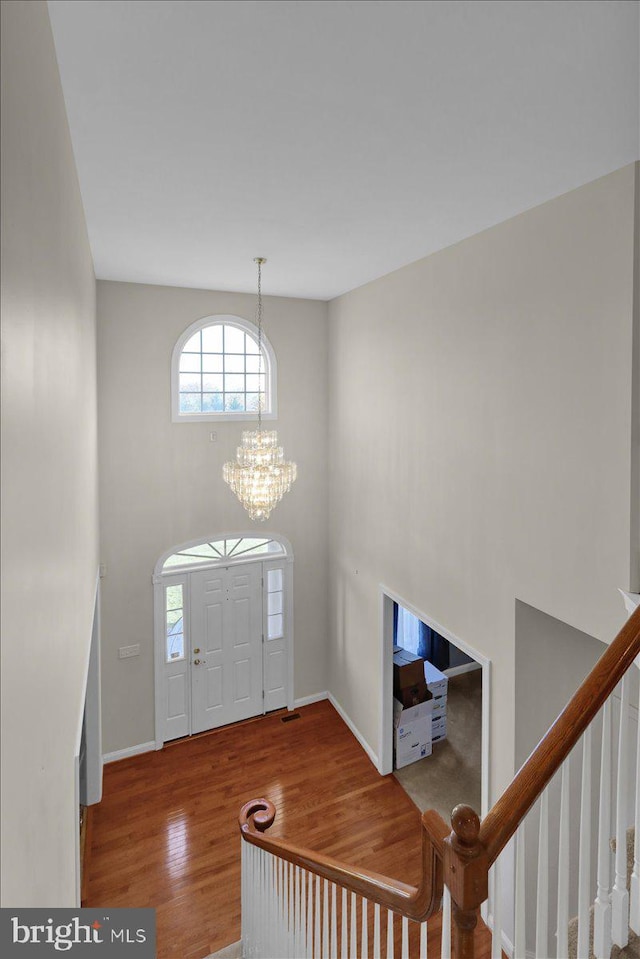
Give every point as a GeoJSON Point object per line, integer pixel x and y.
{"type": "Point", "coordinates": [339, 139]}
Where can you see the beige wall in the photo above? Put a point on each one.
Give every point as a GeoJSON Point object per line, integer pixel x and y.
{"type": "Point", "coordinates": [161, 482]}
{"type": "Point", "coordinates": [480, 442]}
{"type": "Point", "coordinates": [49, 482]}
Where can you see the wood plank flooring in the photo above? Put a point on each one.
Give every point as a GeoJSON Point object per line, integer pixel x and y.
{"type": "Point", "coordinates": [166, 835]}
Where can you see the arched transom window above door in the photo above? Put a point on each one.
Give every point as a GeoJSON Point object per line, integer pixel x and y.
{"type": "Point", "coordinates": [219, 372]}
{"type": "Point", "coordinates": [222, 551]}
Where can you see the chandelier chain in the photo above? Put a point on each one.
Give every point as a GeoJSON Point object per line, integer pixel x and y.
{"type": "Point", "coordinates": [260, 393]}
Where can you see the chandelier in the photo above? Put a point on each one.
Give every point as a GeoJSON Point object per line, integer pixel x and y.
{"type": "Point", "coordinates": [260, 475]}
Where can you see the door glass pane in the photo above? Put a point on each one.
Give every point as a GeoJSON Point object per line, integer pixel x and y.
{"type": "Point", "coordinates": [174, 622]}
{"type": "Point", "coordinates": [274, 580]}
{"type": "Point", "coordinates": [275, 627]}
{"type": "Point", "coordinates": [275, 603]}
{"type": "Point", "coordinates": [175, 647]}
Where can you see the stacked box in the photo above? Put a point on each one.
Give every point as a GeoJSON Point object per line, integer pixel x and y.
{"type": "Point", "coordinates": [412, 732]}
{"type": "Point", "coordinates": [437, 684]}
{"type": "Point", "coordinates": [409, 685]}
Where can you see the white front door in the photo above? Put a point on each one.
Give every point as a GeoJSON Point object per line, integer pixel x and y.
{"type": "Point", "coordinates": [226, 645]}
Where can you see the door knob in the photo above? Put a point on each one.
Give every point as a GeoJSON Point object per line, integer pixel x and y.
{"type": "Point", "coordinates": [198, 662]}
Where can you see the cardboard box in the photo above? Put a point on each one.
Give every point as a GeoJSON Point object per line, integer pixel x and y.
{"type": "Point", "coordinates": [412, 695]}
{"type": "Point", "coordinates": [439, 708]}
{"type": "Point", "coordinates": [412, 741]}
{"type": "Point", "coordinates": [436, 680]}
{"type": "Point", "coordinates": [412, 732]}
{"type": "Point", "coordinates": [410, 714]}
{"type": "Point", "coordinates": [408, 670]}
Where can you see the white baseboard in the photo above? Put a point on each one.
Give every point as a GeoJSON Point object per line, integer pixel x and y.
{"type": "Point", "coordinates": [459, 670]}
{"type": "Point", "coordinates": [129, 751]}
{"type": "Point", "coordinates": [308, 700]}
{"type": "Point", "coordinates": [354, 729]}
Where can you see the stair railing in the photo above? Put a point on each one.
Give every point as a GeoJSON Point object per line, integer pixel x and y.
{"type": "Point", "coordinates": [298, 912]}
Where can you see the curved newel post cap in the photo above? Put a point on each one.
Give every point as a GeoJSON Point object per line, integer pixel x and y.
{"type": "Point", "coordinates": [257, 815]}
{"type": "Point", "coordinates": [465, 823]}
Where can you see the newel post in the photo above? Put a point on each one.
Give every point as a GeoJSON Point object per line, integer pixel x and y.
{"type": "Point", "coordinates": [466, 873]}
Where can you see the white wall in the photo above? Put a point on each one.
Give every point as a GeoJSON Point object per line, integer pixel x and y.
{"type": "Point", "coordinates": [49, 481]}
{"type": "Point", "coordinates": [161, 482]}
{"type": "Point", "coordinates": [480, 441]}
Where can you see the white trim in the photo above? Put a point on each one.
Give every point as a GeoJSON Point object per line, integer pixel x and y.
{"type": "Point", "coordinates": [308, 700]}
{"type": "Point", "coordinates": [387, 598]}
{"type": "Point", "coordinates": [97, 732]}
{"type": "Point", "coordinates": [76, 830]}
{"type": "Point", "coordinates": [271, 376]}
{"type": "Point", "coordinates": [631, 600]}
{"type": "Point", "coordinates": [129, 751]}
{"type": "Point", "coordinates": [354, 729]}
{"type": "Point", "coordinates": [460, 670]}
{"type": "Point", "coordinates": [159, 573]}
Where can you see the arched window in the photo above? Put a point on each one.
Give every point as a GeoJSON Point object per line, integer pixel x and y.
{"type": "Point", "coordinates": [222, 551]}
{"type": "Point", "coordinates": [216, 372]}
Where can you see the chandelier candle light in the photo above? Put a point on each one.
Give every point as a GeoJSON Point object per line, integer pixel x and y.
{"type": "Point", "coordinates": [260, 475]}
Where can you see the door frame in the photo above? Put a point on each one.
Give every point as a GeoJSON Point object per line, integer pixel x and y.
{"type": "Point", "coordinates": [160, 579]}
{"type": "Point", "coordinates": [385, 764]}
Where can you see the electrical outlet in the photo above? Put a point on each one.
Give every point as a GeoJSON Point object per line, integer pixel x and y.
{"type": "Point", "coordinates": [126, 651]}
{"type": "Point", "coordinates": [213, 437]}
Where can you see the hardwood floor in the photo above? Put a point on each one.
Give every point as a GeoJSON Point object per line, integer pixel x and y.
{"type": "Point", "coordinates": [166, 835]}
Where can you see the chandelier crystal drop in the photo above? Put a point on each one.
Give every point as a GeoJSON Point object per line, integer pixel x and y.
{"type": "Point", "coordinates": [260, 475]}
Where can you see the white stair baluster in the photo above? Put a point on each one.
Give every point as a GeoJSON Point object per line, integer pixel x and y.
{"type": "Point", "coordinates": [405, 938]}
{"type": "Point", "coordinates": [376, 931]}
{"type": "Point", "coordinates": [423, 940]}
{"type": "Point", "coordinates": [297, 938]}
{"type": "Point", "coordinates": [584, 871]}
{"type": "Point", "coordinates": [445, 946]}
{"type": "Point", "coordinates": [634, 894]}
{"type": "Point", "coordinates": [310, 916]}
{"type": "Point", "coordinates": [364, 936]}
{"type": "Point", "coordinates": [520, 899]}
{"type": "Point", "coordinates": [353, 949]}
{"type": "Point", "coordinates": [302, 940]}
{"type": "Point", "coordinates": [389, 934]}
{"type": "Point", "coordinates": [562, 930]}
{"type": "Point", "coordinates": [496, 907]}
{"type": "Point", "coordinates": [285, 910]}
{"type": "Point", "coordinates": [344, 935]}
{"type": "Point", "coordinates": [542, 899]}
{"type": "Point", "coordinates": [317, 936]}
{"type": "Point", "coordinates": [291, 932]}
{"type": "Point", "coordinates": [602, 905]}
{"type": "Point", "coordinates": [334, 922]}
{"type": "Point", "coordinates": [325, 920]}
{"type": "Point", "coordinates": [620, 893]}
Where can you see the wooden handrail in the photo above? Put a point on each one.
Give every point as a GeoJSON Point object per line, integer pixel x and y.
{"type": "Point", "coordinates": [500, 824]}
{"type": "Point", "coordinates": [415, 902]}
{"type": "Point", "coordinates": [465, 853]}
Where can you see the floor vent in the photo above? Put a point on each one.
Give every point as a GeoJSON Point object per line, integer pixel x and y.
{"type": "Point", "coordinates": [290, 717]}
